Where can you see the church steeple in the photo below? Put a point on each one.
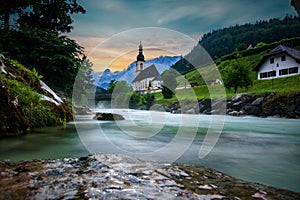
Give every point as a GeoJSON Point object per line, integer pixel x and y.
{"type": "Point", "coordinates": [140, 56]}
{"type": "Point", "coordinates": [140, 60]}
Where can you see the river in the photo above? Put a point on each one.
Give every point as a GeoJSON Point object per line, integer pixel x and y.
{"type": "Point", "coordinates": [263, 150]}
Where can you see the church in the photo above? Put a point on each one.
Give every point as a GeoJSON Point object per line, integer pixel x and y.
{"type": "Point", "coordinates": [146, 78]}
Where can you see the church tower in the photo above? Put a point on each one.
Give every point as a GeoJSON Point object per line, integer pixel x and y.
{"type": "Point", "coordinates": [140, 61]}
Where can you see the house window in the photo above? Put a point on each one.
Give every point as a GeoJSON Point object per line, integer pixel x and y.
{"type": "Point", "coordinates": [283, 72]}
{"type": "Point", "coordinates": [271, 60]}
{"type": "Point", "coordinates": [267, 74]}
{"type": "Point", "coordinates": [283, 58]}
{"type": "Point", "coordinates": [293, 70]}
{"type": "Point", "coordinates": [271, 74]}
{"type": "Point", "coordinates": [263, 75]}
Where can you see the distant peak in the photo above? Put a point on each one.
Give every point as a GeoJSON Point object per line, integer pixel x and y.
{"type": "Point", "coordinates": [107, 70]}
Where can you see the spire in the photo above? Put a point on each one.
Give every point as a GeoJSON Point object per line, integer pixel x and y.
{"type": "Point", "coordinates": [140, 56]}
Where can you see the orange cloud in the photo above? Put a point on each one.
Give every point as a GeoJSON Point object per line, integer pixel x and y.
{"type": "Point", "coordinates": [123, 61]}
{"type": "Point", "coordinates": [118, 52]}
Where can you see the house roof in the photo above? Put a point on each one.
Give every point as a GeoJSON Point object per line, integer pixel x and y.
{"type": "Point", "coordinates": [158, 78]}
{"type": "Point", "coordinates": [294, 53]}
{"type": "Point", "coordinates": [149, 72]}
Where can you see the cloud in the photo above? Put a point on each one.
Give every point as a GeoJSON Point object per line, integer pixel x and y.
{"type": "Point", "coordinates": [109, 18]}
{"type": "Point", "coordinates": [88, 42]}
{"type": "Point", "coordinates": [200, 9]}
{"type": "Point", "coordinates": [109, 5]}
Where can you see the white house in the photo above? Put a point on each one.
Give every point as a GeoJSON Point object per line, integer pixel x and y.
{"type": "Point", "coordinates": [280, 62]}
{"type": "Point", "coordinates": [146, 78]}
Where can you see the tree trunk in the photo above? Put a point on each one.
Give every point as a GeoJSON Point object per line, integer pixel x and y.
{"type": "Point", "coordinates": [235, 89]}
{"type": "Point", "coordinates": [6, 18]}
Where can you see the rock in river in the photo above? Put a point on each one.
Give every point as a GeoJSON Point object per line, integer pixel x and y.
{"type": "Point", "coordinates": [108, 116]}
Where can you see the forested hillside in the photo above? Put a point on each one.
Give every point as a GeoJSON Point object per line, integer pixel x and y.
{"type": "Point", "coordinates": [224, 41]}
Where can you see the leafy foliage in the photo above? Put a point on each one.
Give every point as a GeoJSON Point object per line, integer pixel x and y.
{"type": "Point", "coordinates": [52, 15]}
{"type": "Point", "coordinates": [149, 99]}
{"type": "Point", "coordinates": [121, 95]}
{"type": "Point", "coordinates": [11, 7]}
{"type": "Point", "coordinates": [183, 66]}
{"type": "Point", "coordinates": [135, 100]}
{"type": "Point", "coordinates": [261, 47]}
{"type": "Point", "coordinates": [237, 75]}
{"type": "Point", "coordinates": [124, 97]}
{"type": "Point", "coordinates": [54, 57]}
{"type": "Point", "coordinates": [169, 83]}
{"type": "Point", "coordinates": [21, 108]}
{"type": "Point", "coordinates": [224, 41]}
{"type": "Point", "coordinates": [84, 84]}
{"type": "Point", "coordinates": [36, 73]}
{"type": "Point", "coordinates": [111, 86]}
{"type": "Point", "coordinates": [37, 41]}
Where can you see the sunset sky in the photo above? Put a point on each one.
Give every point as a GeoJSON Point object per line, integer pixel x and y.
{"type": "Point", "coordinates": [106, 19]}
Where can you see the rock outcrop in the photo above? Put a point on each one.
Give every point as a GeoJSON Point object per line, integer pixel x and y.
{"type": "Point", "coordinates": [270, 104]}
{"type": "Point", "coordinates": [110, 176]}
{"type": "Point", "coordinates": [79, 110]}
{"type": "Point", "coordinates": [108, 116]}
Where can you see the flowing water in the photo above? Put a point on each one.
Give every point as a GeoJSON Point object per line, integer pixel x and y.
{"type": "Point", "coordinates": [264, 150]}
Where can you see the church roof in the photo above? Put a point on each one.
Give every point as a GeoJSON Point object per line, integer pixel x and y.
{"type": "Point", "coordinates": [294, 53]}
{"type": "Point", "coordinates": [158, 78]}
{"type": "Point", "coordinates": [149, 72]}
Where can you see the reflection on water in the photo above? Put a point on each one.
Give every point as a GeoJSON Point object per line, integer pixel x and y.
{"type": "Point", "coordinates": [55, 142]}
{"type": "Point", "coordinates": [264, 150]}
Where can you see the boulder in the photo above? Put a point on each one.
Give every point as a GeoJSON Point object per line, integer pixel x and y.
{"type": "Point", "coordinates": [79, 110]}
{"type": "Point", "coordinates": [252, 110]}
{"type": "Point", "coordinates": [177, 111]}
{"type": "Point", "coordinates": [238, 105]}
{"type": "Point", "coordinates": [236, 113]}
{"type": "Point", "coordinates": [258, 101]}
{"type": "Point", "coordinates": [190, 111]}
{"type": "Point", "coordinates": [204, 106]}
{"type": "Point", "coordinates": [167, 109]}
{"type": "Point", "coordinates": [219, 106]}
{"type": "Point", "coordinates": [239, 97]}
{"type": "Point", "coordinates": [108, 116]}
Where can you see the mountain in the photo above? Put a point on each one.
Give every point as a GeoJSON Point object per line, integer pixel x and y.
{"type": "Point", "coordinates": [162, 63]}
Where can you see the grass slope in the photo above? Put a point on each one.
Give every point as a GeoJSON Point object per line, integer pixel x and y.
{"type": "Point", "coordinates": [284, 85]}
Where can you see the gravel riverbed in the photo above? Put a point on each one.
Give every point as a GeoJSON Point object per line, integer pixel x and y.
{"type": "Point", "coordinates": [114, 176]}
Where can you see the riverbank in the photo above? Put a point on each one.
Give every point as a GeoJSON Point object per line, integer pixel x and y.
{"type": "Point", "coordinates": [27, 102]}
{"type": "Point", "coordinates": [262, 105]}
{"type": "Point", "coordinates": [115, 176]}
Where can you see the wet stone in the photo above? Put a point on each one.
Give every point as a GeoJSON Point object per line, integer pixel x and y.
{"type": "Point", "coordinates": [111, 176]}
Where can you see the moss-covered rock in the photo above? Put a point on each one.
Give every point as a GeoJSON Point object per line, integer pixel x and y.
{"type": "Point", "coordinates": [22, 107]}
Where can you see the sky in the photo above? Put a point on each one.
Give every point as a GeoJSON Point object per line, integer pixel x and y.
{"type": "Point", "coordinates": [108, 21]}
